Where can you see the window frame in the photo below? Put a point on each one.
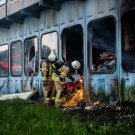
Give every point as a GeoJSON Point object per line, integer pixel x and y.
{"type": "Point", "coordinates": [57, 42]}
{"type": "Point", "coordinates": [24, 53]}
{"type": "Point", "coordinates": [89, 46]}
{"type": "Point", "coordinates": [123, 43]}
{"type": "Point", "coordinates": [21, 59]}
{"type": "Point", "coordinates": [8, 60]}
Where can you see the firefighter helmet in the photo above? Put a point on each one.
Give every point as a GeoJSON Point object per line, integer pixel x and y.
{"type": "Point", "coordinates": [52, 57]}
{"type": "Point", "coordinates": [76, 64]}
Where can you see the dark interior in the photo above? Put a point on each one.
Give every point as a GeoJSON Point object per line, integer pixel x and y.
{"type": "Point", "coordinates": [128, 41]}
{"type": "Point", "coordinates": [73, 42]}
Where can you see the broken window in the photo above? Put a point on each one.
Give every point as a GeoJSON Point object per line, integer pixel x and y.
{"type": "Point", "coordinates": [49, 43]}
{"type": "Point", "coordinates": [31, 56]}
{"type": "Point", "coordinates": [16, 58]}
{"type": "Point", "coordinates": [101, 43]}
{"type": "Point", "coordinates": [4, 61]}
{"type": "Point", "coordinates": [128, 41]}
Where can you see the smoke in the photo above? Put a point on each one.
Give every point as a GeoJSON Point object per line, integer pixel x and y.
{"type": "Point", "coordinates": [102, 34]}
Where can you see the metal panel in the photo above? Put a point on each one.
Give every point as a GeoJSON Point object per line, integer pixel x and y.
{"type": "Point", "coordinates": [89, 8]}
{"type": "Point", "coordinates": [16, 31]}
{"type": "Point", "coordinates": [55, 16]}
{"type": "Point", "coordinates": [13, 6]}
{"type": "Point", "coordinates": [63, 15]}
{"type": "Point", "coordinates": [33, 25]}
{"type": "Point", "coordinates": [18, 86]}
{"type": "Point", "coordinates": [112, 4]}
{"type": "Point", "coordinates": [41, 21]}
{"type": "Point", "coordinates": [79, 12]}
{"type": "Point", "coordinates": [12, 86]}
{"type": "Point", "coordinates": [3, 35]}
{"type": "Point", "coordinates": [49, 22]}
{"type": "Point", "coordinates": [27, 3]}
{"type": "Point", "coordinates": [99, 6]}
{"type": "Point", "coordinates": [26, 27]}
{"type": "Point", "coordinates": [3, 11]}
{"type": "Point", "coordinates": [71, 11]}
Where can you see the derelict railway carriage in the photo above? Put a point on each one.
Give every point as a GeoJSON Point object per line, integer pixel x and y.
{"type": "Point", "coordinates": [98, 33]}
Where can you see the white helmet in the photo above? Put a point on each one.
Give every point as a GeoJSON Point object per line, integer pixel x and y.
{"type": "Point", "coordinates": [52, 57]}
{"type": "Point", "coordinates": [76, 64]}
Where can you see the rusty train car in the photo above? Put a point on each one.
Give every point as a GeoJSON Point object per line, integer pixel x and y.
{"type": "Point", "coordinates": [74, 29]}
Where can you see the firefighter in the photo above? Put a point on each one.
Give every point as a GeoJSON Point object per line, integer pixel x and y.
{"type": "Point", "coordinates": [46, 70]}
{"type": "Point", "coordinates": [59, 76]}
{"type": "Point", "coordinates": [59, 63]}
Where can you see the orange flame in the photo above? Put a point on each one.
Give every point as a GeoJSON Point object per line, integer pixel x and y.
{"type": "Point", "coordinates": [78, 95]}
{"type": "Point", "coordinates": [96, 103]}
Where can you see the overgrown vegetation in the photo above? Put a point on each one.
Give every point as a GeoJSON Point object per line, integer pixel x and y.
{"type": "Point", "coordinates": [20, 117]}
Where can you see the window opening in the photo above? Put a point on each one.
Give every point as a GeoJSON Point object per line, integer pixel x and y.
{"type": "Point", "coordinates": [128, 41]}
{"type": "Point", "coordinates": [72, 45]}
{"type": "Point", "coordinates": [101, 43]}
{"type": "Point", "coordinates": [49, 43]}
{"type": "Point", "coordinates": [4, 61]}
{"type": "Point", "coordinates": [31, 56]}
{"type": "Point", "coordinates": [16, 58]}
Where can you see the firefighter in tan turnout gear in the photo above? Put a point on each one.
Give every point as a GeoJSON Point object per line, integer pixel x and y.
{"type": "Point", "coordinates": [59, 76]}
{"type": "Point", "coordinates": [46, 70]}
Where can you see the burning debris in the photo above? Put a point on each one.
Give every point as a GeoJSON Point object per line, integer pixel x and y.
{"type": "Point", "coordinates": [74, 93]}
{"type": "Point", "coordinates": [74, 99]}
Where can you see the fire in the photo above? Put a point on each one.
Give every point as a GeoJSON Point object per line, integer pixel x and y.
{"type": "Point", "coordinates": [78, 94]}
{"type": "Point", "coordinates": [96, 103]}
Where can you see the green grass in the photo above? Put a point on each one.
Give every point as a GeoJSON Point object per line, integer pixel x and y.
{"type": "Point", "coordinates": [20, 117]}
